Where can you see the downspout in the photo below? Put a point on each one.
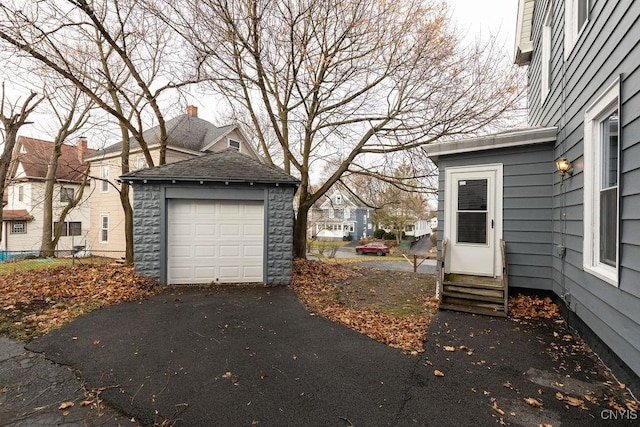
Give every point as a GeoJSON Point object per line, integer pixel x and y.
{"type": "Point", "coordinates": [561, 250]}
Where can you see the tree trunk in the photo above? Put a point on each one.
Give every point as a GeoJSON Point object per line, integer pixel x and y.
{"type": "Point", "coordinates": [9, 142]}
{"type": "Point", "coordinates": [300, 233]}
{"type": "Point", "coordinates": [47, 248]}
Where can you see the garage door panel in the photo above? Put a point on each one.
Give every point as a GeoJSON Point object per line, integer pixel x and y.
{"type": "Point", "coordinates": [230, 230]}
{"type": "Point", "coordinates": [252, 251]}
{"type": "Point", "coordinates": [229, 251]}
{"type": "Point", "coordinates": [202, 230]}
{"type": "Point", "coordinates": [209, 240]}
{"type": "Point", "coordinates": [230, 209]}
{"type": "Point", "coordinates": [252, 231]}
{"type": "Point", "coordinates": [181, 251]}
{"type": "Point", "coordinates": [204, 251]}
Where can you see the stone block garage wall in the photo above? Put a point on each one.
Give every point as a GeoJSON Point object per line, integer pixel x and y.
{"type": "Point", "coordinates": [149, 224]}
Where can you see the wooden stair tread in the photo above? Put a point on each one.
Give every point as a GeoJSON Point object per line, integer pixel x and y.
{"type": "Point", "coordinates": [474, 310]}
{"type": "Point", "coordinates": [475, 285]}
{"type": "Point", "coordinates": [468, 296]}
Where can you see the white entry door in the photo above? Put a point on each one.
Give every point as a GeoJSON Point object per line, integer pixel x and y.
{"type": "Point", "coordinates": [473, 228]}
{"type": "Point", "coordinates": [218, 241]}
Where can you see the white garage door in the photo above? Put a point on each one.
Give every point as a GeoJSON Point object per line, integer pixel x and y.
{"type": "Point", "coordinates": [214, 241]}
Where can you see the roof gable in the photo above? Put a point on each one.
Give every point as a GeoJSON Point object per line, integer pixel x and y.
{"type": "Point", "coordinates": [222, 166]}
{"type": "Point", "coordinates": [184, 132]}
{"type": "Point", "coordinates": [338, 200]}
{"type": "Point", "coordinates": [31, 160]}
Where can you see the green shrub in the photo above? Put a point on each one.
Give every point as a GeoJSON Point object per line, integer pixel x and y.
{"type": "Point", "coordinates": [379, 233]}
{"type": "Point", "coordinates": [389, 236]}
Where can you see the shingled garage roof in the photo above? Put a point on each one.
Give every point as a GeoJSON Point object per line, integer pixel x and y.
{"type": "Point", "coordinates": [223, 166]}
{"type": "Point", "coordinates": [16, 215]}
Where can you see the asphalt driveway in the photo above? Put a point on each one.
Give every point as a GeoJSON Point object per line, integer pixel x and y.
{"type": "Point", "coordinates": [255, 356]}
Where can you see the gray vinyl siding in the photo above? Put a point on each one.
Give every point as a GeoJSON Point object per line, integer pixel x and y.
{"type": "Point", "coordinates": [527, 208]}
{"type": "Point", "coordinates": [608, 47]}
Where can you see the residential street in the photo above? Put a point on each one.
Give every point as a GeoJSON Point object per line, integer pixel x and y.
{"type": "Point", "coordinates": [255, 356]}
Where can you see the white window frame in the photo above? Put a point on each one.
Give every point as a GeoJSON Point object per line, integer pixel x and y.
{"type": "Point", "coordinates": [65, 197]}
{"type": "Point", "coordinates": [232, 144]}
{"type": "Point", "coordinates": [141, 163]}
{"type": "Point", "coordinates": [104, 175]}
{"type": "Point", "coordinates": [103, 228]}
{"type": "Point", "coordinates": [571, 30]}
{"type": "Point", "coordinates": [21, 193]}
{"type": "Point", "coordinates": [545, 66]}
{"type": "Point", "coordinates": [608, 102]}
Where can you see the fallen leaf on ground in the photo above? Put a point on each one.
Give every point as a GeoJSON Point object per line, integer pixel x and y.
{"type": "Point", "coordinates": [86, 402]}
{"type": "Point", "coordinates": [533, 307]}
{"type": "Point", "coordinates": [438, 373]}
{"type": "Point", "coordinates": [507, 384]}
{"type": "Point", "coordinates": [574, 401]}
{"type": "Point", "coordinates": [449, 348]}
{"type": "Point", "coordinates": [559, 396]}
{"type": "Point", "coordinates": [65, 405]}
{"type": "Point", "coordinates": [533, 402]}
{"type": "Point", "coordinates": [496, 408]}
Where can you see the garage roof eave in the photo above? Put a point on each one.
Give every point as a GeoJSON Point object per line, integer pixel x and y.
{"type": "Point", "coordinates": [191, 179]}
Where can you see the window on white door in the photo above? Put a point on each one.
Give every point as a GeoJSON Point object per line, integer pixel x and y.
{"type": "Point", "coordinates": [602, 171]}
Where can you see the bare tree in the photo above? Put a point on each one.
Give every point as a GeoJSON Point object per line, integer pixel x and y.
{"type": "Point", "coordinates": [12, 118]}
{"type": "Point", "coordinates": [71, 112]}
{"type": "Point", "coordinates": [340, 80]}
{"type": "Point", "coordinates": [118, 55]}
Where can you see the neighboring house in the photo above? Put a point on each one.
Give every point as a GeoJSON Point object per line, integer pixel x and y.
{"type": "Point", "coordinates": [419, 228]}
{"type": "Point", "coordinates": [188, 136]}
{"type": "Point", "coordinates": [564, 194]}
{"type": "Point", "coordinates": [217, 218]}
{"type": "Point", "coordinates": [341, 218]}
{"type": "Point", "coordinates": [23, 213]}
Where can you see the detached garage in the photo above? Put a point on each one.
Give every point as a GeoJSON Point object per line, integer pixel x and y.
{"type": "Point", "coordinates": [219, 218]}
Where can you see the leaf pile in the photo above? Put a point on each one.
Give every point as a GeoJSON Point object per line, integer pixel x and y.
{"type": "Point", "coordinates": [316, 284]}
{"type": "Point", "coordinates": [533, 307]}
{"type": "Point", "coordinates": [32, 302]}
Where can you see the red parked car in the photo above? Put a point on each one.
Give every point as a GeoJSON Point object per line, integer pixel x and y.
{"type": "Point", "coordinates": [379, 249]}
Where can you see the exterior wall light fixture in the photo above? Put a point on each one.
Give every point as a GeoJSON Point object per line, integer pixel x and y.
{"type": "Point", "coordinates": [564, 167]}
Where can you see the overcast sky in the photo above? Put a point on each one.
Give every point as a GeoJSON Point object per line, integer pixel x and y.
{"type": "Point", "coordinates": [487, 17]}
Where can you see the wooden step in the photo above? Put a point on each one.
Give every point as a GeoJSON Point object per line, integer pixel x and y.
{"type": "Point", "coordinates": [473, 280]}
{"type": "Point", "coordinates": [495, 293]}
{"type": "Point", "coordinates": [474, 310]}
{"type": "Point", "coordinates": [499, 299]}
{"type": "Point", "coordinates": [474, 285]}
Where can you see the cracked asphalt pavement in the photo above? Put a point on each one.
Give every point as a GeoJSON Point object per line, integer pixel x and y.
{"type": "Point", "coordinates": [240, 356]}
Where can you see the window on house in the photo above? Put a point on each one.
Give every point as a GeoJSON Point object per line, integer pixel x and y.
{"type": "Point", "coordinates": [20, 193]}
{"type": "Point", "coordinates": [69, 228]}
{"type": "Point", "coordinates": [142, 162]}
{"type": "Point", "coordinates": [104, 228]}
{"type": "Point", "coordinates": [546, 66]}
{"type": "Point", "coordinates": [576, 16]}
{"type": "Point", "coordinates": [18, 227]}
{"type": "Point", "coordinates": [104, 175]}
{"type": "Point", "coordinates": [339, 213]}
{"type": "Point", "coordinates": [601, 173]}
{"type": "Point", "coordinates": [234, 144]}
{"type": "Point", "coordinates": [66, 195]}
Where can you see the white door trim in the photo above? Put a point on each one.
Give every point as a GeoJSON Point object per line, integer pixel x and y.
{"type": "Point", "coordinates": [498, 208]}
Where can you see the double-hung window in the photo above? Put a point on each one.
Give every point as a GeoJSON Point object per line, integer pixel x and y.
{"type": "Point", "coordinates": [104, 175]}
{"type": "Point", "coordinates": [601, 195]}
{"type": "Point", "coordinates": [104, 228]}
{"type": "Point", "coordinates": [576, 16]}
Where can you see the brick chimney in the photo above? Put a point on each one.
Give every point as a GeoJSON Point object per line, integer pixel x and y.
{"type": "Point", "coordinates": [82, 148]}
{"type": "Point", "coordinates": [192, 111]}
